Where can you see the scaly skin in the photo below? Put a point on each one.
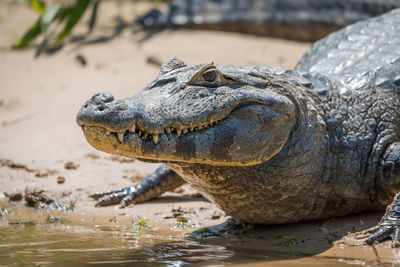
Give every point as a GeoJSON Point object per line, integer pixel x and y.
{"type": "Point", "coordinates": [301, 20]}
{"type": "Point", "coordinates": [269, 145]}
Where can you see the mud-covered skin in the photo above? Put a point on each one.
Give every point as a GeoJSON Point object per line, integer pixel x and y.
{"type": "Point", "coordinates": [269, 145]}
{"type": "Point", "coordinates": [302, 20]}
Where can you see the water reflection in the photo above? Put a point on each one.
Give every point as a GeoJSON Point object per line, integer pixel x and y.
{"type": "Point", "coordinates": [63, 245]}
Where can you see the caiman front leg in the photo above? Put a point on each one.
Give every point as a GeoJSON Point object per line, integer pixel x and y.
{"type": "Point", "coordinates": [162, 180]}
{"type": "Point", "coordinates": [389, 226]}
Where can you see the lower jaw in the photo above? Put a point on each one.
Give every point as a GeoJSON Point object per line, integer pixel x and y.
{"type": "Point", "coordinates": [167, 150]}
{"type": "Point", "coordinates": [99, 138]}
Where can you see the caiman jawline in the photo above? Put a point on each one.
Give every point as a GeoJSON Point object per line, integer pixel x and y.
{"type": "Point", "coordinates": [135, 129]}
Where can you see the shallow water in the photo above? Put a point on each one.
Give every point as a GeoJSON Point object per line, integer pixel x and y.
{"type": "Point", "coordinates": [32, 238]}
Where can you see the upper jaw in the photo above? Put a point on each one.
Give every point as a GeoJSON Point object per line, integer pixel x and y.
{"type": "Point", "coordinates": [144, 128]}
{"type": "Point", "coordinates": [125, 116]}
{"type": "Point", "coordinates": [154, 135]}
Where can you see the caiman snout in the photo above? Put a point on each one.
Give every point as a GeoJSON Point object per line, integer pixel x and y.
{"type": "Point", "coordinates": [103, 110]}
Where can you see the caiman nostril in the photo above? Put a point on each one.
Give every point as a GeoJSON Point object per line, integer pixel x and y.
{"type": "Point", "coordinates": [103, 98]}
{"type": "Point", "coordinates": [100, 107]}
{"type": "Point", "coordinates": [106, 98]}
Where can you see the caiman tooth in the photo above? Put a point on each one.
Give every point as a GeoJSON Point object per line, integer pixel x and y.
{"type": "Point", "coordinates": [145, 135]}
{"type": "Point", "coordinates": [168, 130]}
{"type": "Point", "coordinates": [191, 129]}
{"type": "Point", "coordinates": [178, 132]}
{"type": "Point", "coordinates": [120, 137]}
{"type": "Point", "coordinates": [108, 132]}
{"type": "Point", "coordinates": [133, 128]}
{"type": "Point", "coordinates": [185, 131]}
{"type": "Point", "coordinates": [155, 138]}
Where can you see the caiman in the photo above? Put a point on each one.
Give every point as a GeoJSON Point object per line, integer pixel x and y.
{"type": "Point", "coordinates": [301, 20]}
{"type": "Point", "coordinates": [268, 145]}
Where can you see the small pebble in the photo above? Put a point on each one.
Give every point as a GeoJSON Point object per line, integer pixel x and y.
{"type": "Point", "coordinates": [60, 180]}
{"type": "Point", "coordinates": [71, 165]}
{"type": "Point", "coordinates": [81, 60]}
{"type": "Point", "coordinates": [181, 219]}
{"type": "Point", "coordinates": [215, 216]}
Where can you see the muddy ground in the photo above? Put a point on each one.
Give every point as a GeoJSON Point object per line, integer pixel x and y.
{"type": "Point", "coordinates": [42, 147]}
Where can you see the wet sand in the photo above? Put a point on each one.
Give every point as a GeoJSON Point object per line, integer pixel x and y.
{"type": "Point", "coordinates": [40, 141]}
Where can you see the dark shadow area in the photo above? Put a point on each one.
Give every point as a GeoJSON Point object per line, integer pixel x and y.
{"type": "Point", "coordinates": [118, 28]}
{"type": "Point", "coordinates": [49, 50]}
{"type": "Point", "coordinates": [148, 34]}
{"type": "Point", "coordinates": [176, 199]}
{"type": "Point", "coordinates": [305, 234]}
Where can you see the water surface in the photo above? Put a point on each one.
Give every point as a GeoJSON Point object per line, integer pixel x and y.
{"type": "Point", "coordinates": [38, 238]}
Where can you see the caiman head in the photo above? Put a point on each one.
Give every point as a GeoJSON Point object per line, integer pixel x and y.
{"type": "Point", "coordinates": [216, 115]}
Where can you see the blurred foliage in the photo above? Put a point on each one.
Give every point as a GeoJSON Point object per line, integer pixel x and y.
{"type": "Point", "coordinates": [64, 15]}
{"type": "Point", "coordinates": [57, 20]}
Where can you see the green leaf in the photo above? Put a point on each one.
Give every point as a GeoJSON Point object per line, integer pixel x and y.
{"type": "Point", "coordinates": [75, 15]}
{"type": "Point", "coordinates": [64, 13]}
{"type": "Point", "coordinates": [48, 17]}
{"type": "Point", "coordinates": [28, 36]}
{"type": "Point", "coordinates": [38, 6]}
{"type": "Point", "coordinates": [93, 16]}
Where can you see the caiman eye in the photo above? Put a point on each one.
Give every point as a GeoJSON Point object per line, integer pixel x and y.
{"type": "Point", "coordinates": [209, 76]}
